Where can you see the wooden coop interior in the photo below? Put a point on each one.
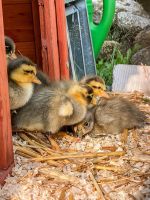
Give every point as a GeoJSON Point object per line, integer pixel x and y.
{"type": "Point", "coordinates": [38, 28]}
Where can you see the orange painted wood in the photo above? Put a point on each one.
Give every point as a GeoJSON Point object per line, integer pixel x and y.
{"type": "Point", "coordinates": [27, 49]}
{"type": "Point", "coordinates": [20, 35]}
{"type": "Point", "coordinates": [15, 1]}
{"type": "Point", "coordinates": [51, 34]}
{"type": "Point", "coordinates": [6, 148]}
{"type": "Point", "coordinates": [18, 24]}
{"type": "Point", "coordinates": [18, 18]}
{"type": "Point", "coordinates": [5, 172]}
{"type": "Point", "coordinates": [45, 64]}
{"type": "Point", "coordinates": [37, 33]}
{"type": "Point", "coordinates": [50, 55]}
{"type": "Point", "coordinates": [62, 39]}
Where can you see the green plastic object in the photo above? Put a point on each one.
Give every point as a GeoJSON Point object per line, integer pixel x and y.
{"type": "Point", "coordinates": [100, 31]}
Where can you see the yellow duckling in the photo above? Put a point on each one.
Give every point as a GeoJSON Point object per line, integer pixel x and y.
{"type": "Point", "coordinates": [21, 77]}
{"type": "Point", "coordinates": [97, 86]}
{"type": "Point", "coordinates": [60, 104]}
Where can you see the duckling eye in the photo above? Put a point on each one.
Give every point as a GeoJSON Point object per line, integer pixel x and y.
{"type": "Point", "coordinates": [96, 87]}
{"type": "Point", "coordinates": [86, 124]}
{"type": "Point", "coordinates": [8, 49]}
{"type": "Point", "coordinates": [28, 72]}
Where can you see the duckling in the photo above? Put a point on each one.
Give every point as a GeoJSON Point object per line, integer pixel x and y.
{"type": "Point", "coordinates": [21, 77]}
{"type": "Point", "coordinates": [94, 78]}
{"type": "Point", "coordinates": [10, 48]}
{"type": "Point", "coordinates": [116, 114]}
{"type": "Point", "coordinates": [110, 116]}
{"type": "Point", "coordinates": [72, 86]}
{"type": "Point", "coordinates": [97, 84]}
{"type": "Point", "coordinates": [86, 126]}
{"type": "Point", "coordinates": [11, 55]}
{"type": "Point", "coordinates": [52, 108]}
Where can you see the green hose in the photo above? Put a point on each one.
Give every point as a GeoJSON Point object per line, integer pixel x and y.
{"type": "Point", "coordinates": [99, 32]}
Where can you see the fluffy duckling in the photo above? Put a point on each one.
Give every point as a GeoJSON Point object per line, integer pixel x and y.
{"type": "Point", "coordinates": [86, 126]}
{"type": "Point", "coordinates": [21, 77]}
{"type": "Point", "coordinates": [51, 108]}
{"type": "Point", "coordinates": [98, 87]}
{"type": "Point", "coordinates": [110, 116]}
{"type": "Point", "coordinates": [10, 49]}
{"type": "Point", "coordinates": [116, 114]}
{"type": "Point", "coordinates": [11, 55]}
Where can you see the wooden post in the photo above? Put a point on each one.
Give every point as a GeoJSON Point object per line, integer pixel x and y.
{"type": "Point", "coordinates": [37, 33]}
{"type": "Point", "coordinates": [54, 38]}
{"type": "Point", "coordinates": [6, 149]}
{"type": "Point", "coordinates": [62, 39]}
{"type": "Point", "coordinates": [48, 27]}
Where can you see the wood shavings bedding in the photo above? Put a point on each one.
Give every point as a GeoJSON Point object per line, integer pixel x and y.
{"type": "Point", "coordinates": [107, 168]}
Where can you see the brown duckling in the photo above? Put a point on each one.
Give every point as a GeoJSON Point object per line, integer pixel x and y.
{"type": "Point", "coordinates": [86, 126]}
{"type": "Point", "coordinates": [116, 114]}
{"type": "Point", "coordinates": [51, 108]}
{"type": "Point", "coordinates": [21, 77]}
{"type": "Point", "coordinates": [110, 116]}
{"type": "Point", "coordinates": [10, 48]}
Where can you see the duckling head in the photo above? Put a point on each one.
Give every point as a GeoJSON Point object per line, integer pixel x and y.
{"type": "Point", "coordinates": [98, 87]}
{"type": "Point", "coordinates": [85, 126]}
{"type": "Point", "coordinates": [79, 93]}
{"type": "Point", "coordinates": [10, 48]}
{"type": "Point", "coordinates": [22, 70]}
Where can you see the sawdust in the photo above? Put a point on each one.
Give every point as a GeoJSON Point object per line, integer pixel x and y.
{"type": "Point", "coordinates": [111, 167]}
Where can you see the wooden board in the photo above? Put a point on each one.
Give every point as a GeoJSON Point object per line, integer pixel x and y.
{"type": "Point", "coordinates": [18, 24]}
{"type": "Point", "coordinates": [27, 49]}
{"type": "Point", "coordinates": [18, 18]}
{"type": "Point", "coordinates": [62, 39]}
{"type": "Point", "coordinates": [5, 2]}
{"type": "Point", "coordinates": [37, 33]}
{"type": "Point", "coordinates": [6, 149]}
{"type": "Point", "coordinates": [50, 54]}
{"type": "Point", "coordinates": [20, 35]}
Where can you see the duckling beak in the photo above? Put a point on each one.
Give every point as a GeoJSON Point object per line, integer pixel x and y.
{"type": "Point", "coordinates": [75, 129]}
{"type": "Point", "coordinates": [36, 80]}
{"type": "Point", "coordinates": [13, 56]}
{"type": "Point", "coordinates": [102, 93]}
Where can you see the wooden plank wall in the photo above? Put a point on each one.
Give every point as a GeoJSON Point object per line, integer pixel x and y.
{"type": "Point", "coordinates": [39, 31]}
{"type": "Point", "coordinates": [6, 149]}
{"type": "Point", "coordinates": [62, 39]}
{"type": "Point", "coordinates": [18, 24]}
{"type": "Point", "coordinates": [54, 38]}
{"type": "Point", "coordinates": [48, 26]}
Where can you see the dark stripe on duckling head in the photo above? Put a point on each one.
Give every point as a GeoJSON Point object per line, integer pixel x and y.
{"type": "Point", "coordinates": [16, 63]}
{"type": "Point", "coordinates": [22, 70]}
{"type": "Point", "coordinates": [88, 79]}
